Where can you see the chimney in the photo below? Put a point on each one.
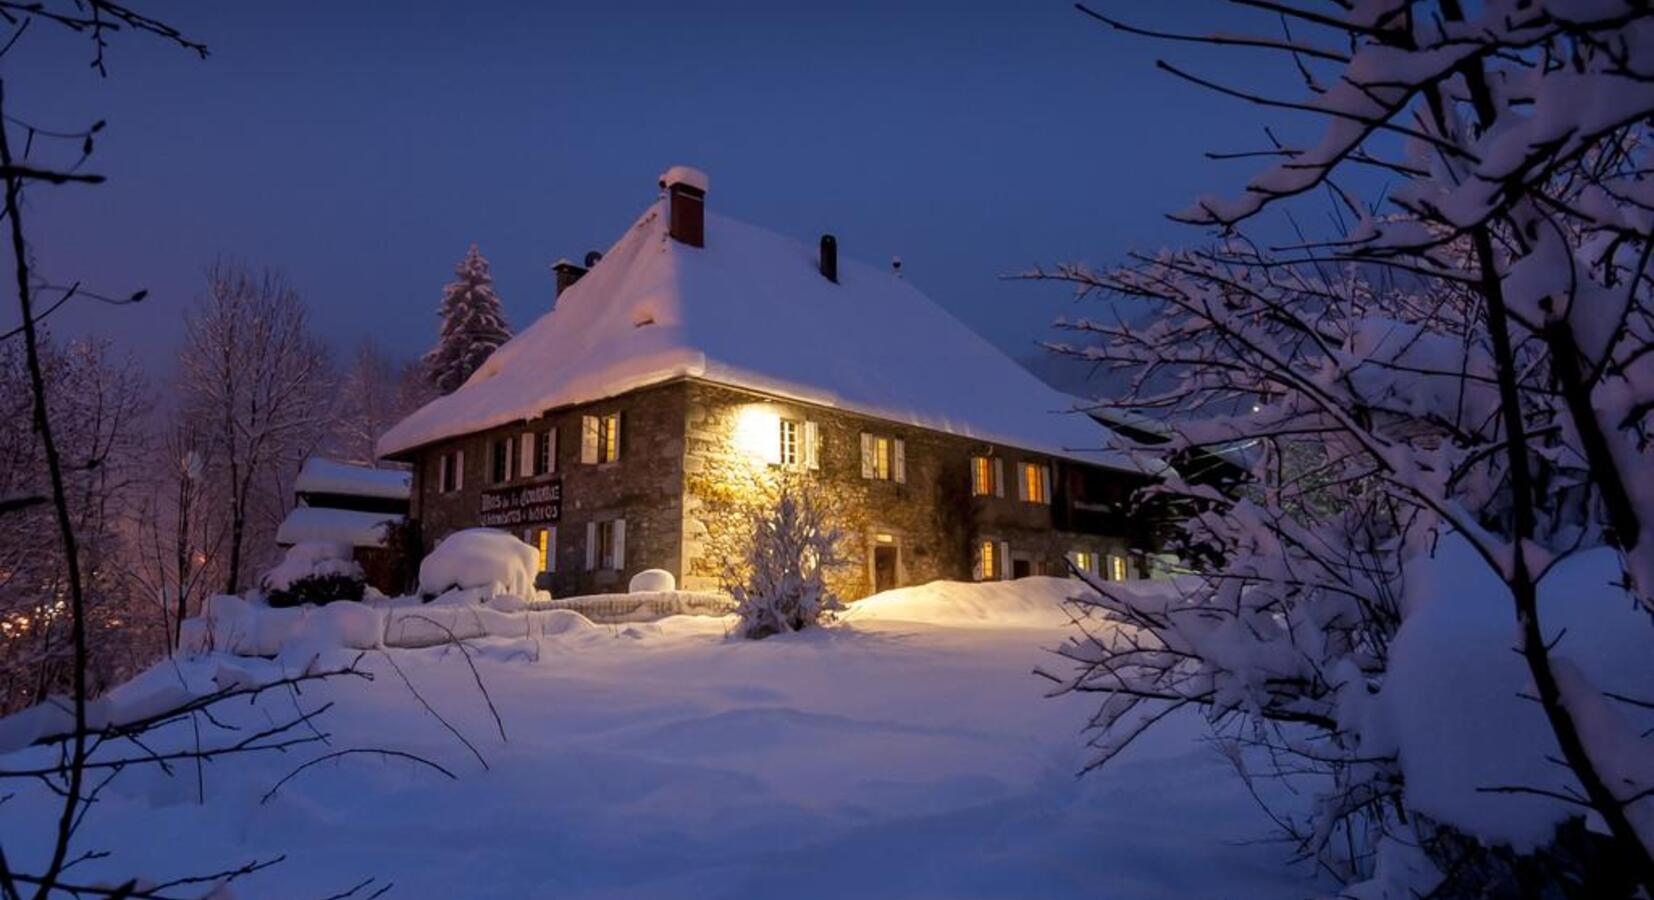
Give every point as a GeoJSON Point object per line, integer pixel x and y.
{"type": "Point", "coordinates": [829, 258]}
{"type": "Point", "coordinates": [567, 274]}
{"type": "Point", "coordinates": [592, 256]}
{"type": "Point", "coordinates": [686, 203]}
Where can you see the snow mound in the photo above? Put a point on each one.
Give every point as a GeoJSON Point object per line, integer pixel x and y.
{"type": "Point", "coordinates": [486, 560]}
{"type": "Point", "coordinates": [1024, 603]}
{"type": "Point", "coordinates": [311, 559]}
{"type": "Point", "coordinates": [348, 526]}
{"type": "Point", "coordinates": [651, 581]}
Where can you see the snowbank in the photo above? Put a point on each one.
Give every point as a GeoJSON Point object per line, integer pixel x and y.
{"type": "Point", "coordinates": [481, 559]}
{"type": "Point", "coordinates": [1024, 603]}
{"type": "Point", "coordinates": [642, 606]}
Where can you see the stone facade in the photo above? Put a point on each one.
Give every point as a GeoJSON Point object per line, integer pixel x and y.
{"type": "Point", "coordinates": [687, 477]}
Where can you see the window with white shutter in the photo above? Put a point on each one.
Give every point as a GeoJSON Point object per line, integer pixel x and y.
{"type": "Point", "coordinates": [588, 439]}
{"type": "Point", "coordinates": [609, 446]}
{"type": "Point", "coordinates": [868, 469]}
{"type": "Point", "coordinates": [617, 560]}
{"type": "Point", "coordinates": [883, 458]}
{"type": "Point", "coordinates": [999, 477]}
{"type": "Point", "coordinates": [898, 461]}
{"type": "Point", "coordinates": [812, 445]}
{"type": "Point", "coordinates": [591, 546]}
{"type": "Point", "coordinates": [787, 451]}
{"type": "Point", "coordinates": [1004, 569]}
{"type": "Point", "coordinates": [459, 470]}
{"type": "Point", "coordinates": [525, 455]}
{"type": "Point", "coordinates": [445, 473]}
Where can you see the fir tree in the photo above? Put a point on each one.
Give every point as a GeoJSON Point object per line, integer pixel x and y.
{"type": "Point", "coordinates": [473, 325]}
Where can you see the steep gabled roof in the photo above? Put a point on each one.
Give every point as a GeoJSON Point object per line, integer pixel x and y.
{"type": "Point", "coordinates": [751, 310]}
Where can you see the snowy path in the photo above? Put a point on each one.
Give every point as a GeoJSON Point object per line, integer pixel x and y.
{"type": "Point", "coordinates": [879, 759]}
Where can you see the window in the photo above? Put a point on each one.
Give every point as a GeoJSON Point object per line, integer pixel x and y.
{"type": "Point", "coordinates": [789, 442]}
{"type": "Point", "coordinates": [1116, 567]}
{"type": "Point", "coordinates": [1085, 561]}
{"type": "Point", "coordinates": [600, 438]}
{"type": "Point", "coordinates": [1034, 482]}
{"type": "Point", "coordinates": [503, 460]}
{"type": "Point", "coordinates": [606, 545]}
{"type": "Point", "coordinates": [544, 541]}
{"type": "Point", "coordinates": [545, 452]}
{"type": "Point", "coordinates": [993, 559]}
{"type": "Point", "coordinates": [451, 472]}
{"type": "Point", "coordinates": [883, 458]}
{"type": "Point", "coordinates": [987, 476]}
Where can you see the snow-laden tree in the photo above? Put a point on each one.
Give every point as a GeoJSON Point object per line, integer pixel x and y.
{"type": "Point", "coordinates": [375, 392]}
{"type": "Point", "coordinates": [256, 383]}
{"type": "Point", "coordinates": [1469, 363]}
{"type": "Point", "coordinates": [473, 324]}
{"type": "Point", "coordinates": [779, 582]}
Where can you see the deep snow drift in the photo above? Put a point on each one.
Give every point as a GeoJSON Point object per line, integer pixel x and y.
{"type": "Point", "coordinates": [906, 752]}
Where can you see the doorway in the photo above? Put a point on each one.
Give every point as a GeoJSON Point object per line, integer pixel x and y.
{"type": "Point", "coordinates": [884, 567]}
{"type": "Point", "coordinates": [1021, 567]}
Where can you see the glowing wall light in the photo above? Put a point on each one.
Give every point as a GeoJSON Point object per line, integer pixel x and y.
{"type": "Point", "coordinates": [758, 433]}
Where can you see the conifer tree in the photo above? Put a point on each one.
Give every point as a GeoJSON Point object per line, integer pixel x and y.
{"type": "Point", "coordinates": [473, 325]}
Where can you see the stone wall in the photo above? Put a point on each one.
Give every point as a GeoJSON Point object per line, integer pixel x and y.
{"type": "Point", "coordinates": [932, 518]}
{"type": "Point", "coordinates": [686, 488]}
{"type": "Point", "coordinates": [644, 486]}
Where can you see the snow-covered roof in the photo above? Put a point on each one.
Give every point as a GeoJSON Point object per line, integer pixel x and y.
{"type": "Point", "coordinates": [752, 310]}
{"type": "Point", "coordinates": [324, 476]}
{"type": "Point", "coordinates": [339, 526]}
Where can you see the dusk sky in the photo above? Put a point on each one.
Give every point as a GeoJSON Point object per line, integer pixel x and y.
{"type": "Point", "coordinates": [362, 149]}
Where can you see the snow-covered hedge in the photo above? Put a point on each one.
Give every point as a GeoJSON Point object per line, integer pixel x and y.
{"type": "Point", "coordinates": [485, 561]}
{"type": "Point", "coordinates": [314, 572]}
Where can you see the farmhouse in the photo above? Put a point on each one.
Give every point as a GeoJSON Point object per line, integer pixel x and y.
{"type": "Point", "coordinates": [635, 425]}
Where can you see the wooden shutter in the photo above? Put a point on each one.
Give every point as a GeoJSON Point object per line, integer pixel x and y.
{"type": "Point", "coordinates": [551, 450]}
{"type": "Point", "coordinates": [1022, 481]}
{"type": "Point", "coordinates": [525, 455]}
{"type": "Point", "coordinates": [459, 470]}
{"type": "Point", "coordinates": [588, 439]}
{"type": "Point", "coordinates": [442, 464]}
{"type": "Point", "coordinates": [1004, 560]}
{"type": "Point", "coordinates": [1047, 497]}
{"type": "Point", "coordinates": [999, 476]}
{"type": "Point", "coordinates": [868, 468]}
{"type": "Point", "coordinates": [620, 544]}
{"type": "Point", "coordinates": [898, 462]}
{"type": "Point", "coordinates": [591, 546]}
{"type": "Point", "coordinates": [551, 548]}
{"type": "Point", "coordinates": [812, 445]}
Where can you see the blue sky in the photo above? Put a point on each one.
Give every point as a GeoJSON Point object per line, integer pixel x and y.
{"type": "Point", "coordinates": [362, 147]}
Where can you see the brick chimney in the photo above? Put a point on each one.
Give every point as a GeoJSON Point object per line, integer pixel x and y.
{"type": "Point", "coordinates": [829, 258]}
{"type": "Point", "coordinates": [567, 274]}
{"type": "Point", "coordinates": [686, 204]}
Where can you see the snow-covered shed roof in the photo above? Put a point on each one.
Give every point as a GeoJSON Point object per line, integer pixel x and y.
{"type": "Point", "coordinates": [325, 476]}
{"type": "Point", "coordinates": [751, 309]}
{"type": "Point", "coordinates": [337, 526]}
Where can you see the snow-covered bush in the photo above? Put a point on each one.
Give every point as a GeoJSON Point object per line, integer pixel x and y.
{"type": "Point", "coordinates": [485, 561]}
{"type": "Point", "coordinates": [652, 581]}
{"type": "Point", "coordinates": [780, 582]}
{"type": "Point", "coordinates": [314, 572]}
{"type": "Point", "coordinates": [1471, 367]}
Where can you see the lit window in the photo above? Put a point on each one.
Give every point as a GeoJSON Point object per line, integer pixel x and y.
{"type": "Point", "coordinates": [544, 541]}
{"type": "Point", "coordinates": [1116, 568]}
{"type": "Point", "coordinates": [883, 458]}
{"type": "Point", "coordinates": [606, 544]}
{"type": "Point", "coordinates": [789, 442]}
{"type": "Point", "coordinates": [985, 561]}
{"type": "Point", "coordinates": [1035, 483]}
{"type": "Point", "coordinates": [982, 476]}
{"type": "Point", "coordinates": [1085, 561]}
{"type": "Point", "coordinates": [600, 438]}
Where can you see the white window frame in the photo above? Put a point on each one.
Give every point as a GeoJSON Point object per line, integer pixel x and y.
{"type": "Point", "coordinates": [600, 439]}
{"type": "Point", "coordinates": [615, 559]}
{"type": "Point", "coordinates": [789, 437]}
{"type": "Point", "coordinates": [883, 458]}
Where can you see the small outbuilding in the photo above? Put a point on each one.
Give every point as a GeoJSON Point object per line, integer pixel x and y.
{"type": "Point", "coordinates": [364, 507]}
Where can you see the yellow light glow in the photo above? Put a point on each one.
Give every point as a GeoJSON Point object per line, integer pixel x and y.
{"type": "Point", "coordinates": [758, 433]}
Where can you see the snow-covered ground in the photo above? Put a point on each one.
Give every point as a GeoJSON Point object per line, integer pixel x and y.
{"type": "Point", "coordinates": [906, 752]}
